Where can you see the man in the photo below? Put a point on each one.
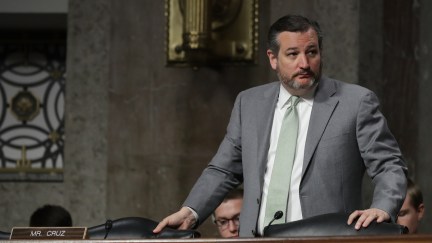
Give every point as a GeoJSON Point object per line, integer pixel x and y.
{"type": "Point", "coordinates": [412, 210]}
{"type": "Point", "coordinates": [226, 216]}
{"type": "Point", "coordinates": [51, 216]}
{"type": "Point", "coordinates": [341, 134]}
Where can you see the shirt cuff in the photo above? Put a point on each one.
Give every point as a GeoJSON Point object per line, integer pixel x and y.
{"type": "Point", "coordinates": [195, 225]}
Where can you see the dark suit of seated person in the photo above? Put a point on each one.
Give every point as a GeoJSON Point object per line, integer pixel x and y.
{"type": "Point", "coordinates": [4, 235]}
{"type": "Point", "coordinates": [51, 216]}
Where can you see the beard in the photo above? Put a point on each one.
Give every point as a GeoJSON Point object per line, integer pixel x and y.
{"type": "Point", "coordinates": [291, 82]}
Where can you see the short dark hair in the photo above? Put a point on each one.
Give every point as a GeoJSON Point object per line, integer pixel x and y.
{"type": "Point", "coordinates": [234, 194]}
{"type": "Point", "coordinates": [291, 23]}
{"type": "Point", "coordinates": [51, 216]}
{"type": "Point", "coordinates": [414, 192]}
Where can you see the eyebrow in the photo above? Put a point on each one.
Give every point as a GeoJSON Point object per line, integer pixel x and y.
{"type": "Point", "coordinates": [403, 211]}
{"type": "Point", "coordinates": [312, 45]}
{"type": "Point", "coordinates": [233, 217]}
{"type": "Point", "coordinates": [292, 49]}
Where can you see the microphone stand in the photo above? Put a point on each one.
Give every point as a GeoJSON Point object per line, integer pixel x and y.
{"type": "Point", "coordinates": [276, 216]}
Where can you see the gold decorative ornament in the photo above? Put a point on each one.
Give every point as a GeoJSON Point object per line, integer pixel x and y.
{"type": "Point", "coordinates": [25, 106]}
{"type": "Point", "coordinates": [211, 32]}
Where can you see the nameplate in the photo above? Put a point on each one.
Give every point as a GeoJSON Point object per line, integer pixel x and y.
{"type": "Point", "coordinates": [48, 233]}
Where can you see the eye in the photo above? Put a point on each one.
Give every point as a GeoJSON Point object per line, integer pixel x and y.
{"type": "Point", "coordinates": [221, 222]}
{"type": "Point", "coordinates": [312, 53]}
{"type": "Point", "coordinates": [292, 54]}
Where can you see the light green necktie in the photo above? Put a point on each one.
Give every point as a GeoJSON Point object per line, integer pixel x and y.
{"type": "Point", "coordinates": [277, 197]}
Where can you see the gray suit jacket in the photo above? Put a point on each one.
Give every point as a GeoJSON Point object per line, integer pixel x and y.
{"type": "Point", "coordinates": [347, 135]}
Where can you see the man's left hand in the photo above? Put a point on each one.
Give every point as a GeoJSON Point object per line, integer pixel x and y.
{"type": "Point", "coordinates": [365, 217]}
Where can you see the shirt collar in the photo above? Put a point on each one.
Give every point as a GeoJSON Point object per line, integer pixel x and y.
{"type": "Point", "coordinates": [284, 96]}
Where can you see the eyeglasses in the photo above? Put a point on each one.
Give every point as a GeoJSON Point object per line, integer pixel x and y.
{"type": "Point", "coordinates": [223, 223]}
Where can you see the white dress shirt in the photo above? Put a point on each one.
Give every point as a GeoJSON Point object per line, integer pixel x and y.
{"type": "Point", "coordinates": [304, 108]}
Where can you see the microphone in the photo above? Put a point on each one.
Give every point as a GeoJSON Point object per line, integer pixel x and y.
{"type": "Point", "coordinates": [108, 227]}
{"type": "Point", "coordinates": [277, 215]}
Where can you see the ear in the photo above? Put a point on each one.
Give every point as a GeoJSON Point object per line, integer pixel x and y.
{"type": "Point", "coordinates": [272, 59]}
{"type": "Point", "coordinates": [420, 211]}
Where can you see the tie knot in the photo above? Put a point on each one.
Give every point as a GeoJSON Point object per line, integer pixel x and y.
{"type": "Point", "coordinates": [294, 100]}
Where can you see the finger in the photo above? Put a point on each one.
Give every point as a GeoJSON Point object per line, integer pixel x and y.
{"type": "Point", "coordinates": [353, 216]}
{"type": "Point", "coordinates": [368, 220]}
{"type": "Point", "coordinates": [360, 221]}
{"type": "Point", "coordinates": [160, 226]}
{"type": "Point", "coordinates": [381, 218]}
{"type": "Point", "coordinates": [184, 226]}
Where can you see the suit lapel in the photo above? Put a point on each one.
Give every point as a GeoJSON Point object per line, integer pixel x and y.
{"type": "Point", "coordinates": [323, 107]}
{"type": "Point", "coordinates": [265, 112]}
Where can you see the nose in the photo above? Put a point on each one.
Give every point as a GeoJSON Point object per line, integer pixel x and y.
{"type": "Point", "coordinates": [232, 227]}
{"type": "Point", "coordinates": [303, 61]}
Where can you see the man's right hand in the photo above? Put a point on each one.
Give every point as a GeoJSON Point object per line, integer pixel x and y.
{"type": "Point", "coordinates": [183, 219]}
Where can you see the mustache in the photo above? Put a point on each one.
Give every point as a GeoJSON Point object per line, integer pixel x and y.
{"type": "Point", "coordinates": [304, 72]}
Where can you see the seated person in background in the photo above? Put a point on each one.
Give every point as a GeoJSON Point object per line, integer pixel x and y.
{"type": "Point", "coordinates": [412, 210]}
{"type": "Point", "coordinates": [51, 216]}
{"type": "Point", "coordinates": [226, 215]}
